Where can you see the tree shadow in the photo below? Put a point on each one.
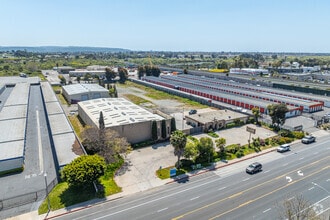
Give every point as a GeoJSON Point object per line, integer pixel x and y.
{"type": "Point", "coordinates": [181, 179]}
{"type": "Point", "coordinates": [74, 197]}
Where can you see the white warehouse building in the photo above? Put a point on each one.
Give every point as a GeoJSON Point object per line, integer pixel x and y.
{"type": "Point", "coordinates": [81, 92]}
{"type": "Point", "coordinates": [129, 120]}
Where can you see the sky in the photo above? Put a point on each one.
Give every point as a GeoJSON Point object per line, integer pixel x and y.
{"type": "Point", "coordinates": [169, 25]}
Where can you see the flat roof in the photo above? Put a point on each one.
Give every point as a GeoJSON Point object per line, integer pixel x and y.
{"type": "Point", "coordinates": [14, 130]}
{"type": "Point", "coordinates": [13, 112]}
{"type": "Point", "coordinates": [228, 88]}
{"type": "Point", "coordinates": [19, 95]}
{"type": "Point", "coordinates": [11, 149]}
{"type": "Point", "coordinates": [116, 111]}
{"type": "Point", "coordinates": [17, 79]}
{"type": "Point", "coordinates": [48, 92]}
{"type": "Point", "coordinates": [212, 115]}
{"type": "Point", "coordinates": [54, 108]}
{"type": "Point", "coordinates": [83, 88]}
{"type": "Point", "coordinates": [59, 124]}
{"type": "Point", "coordinates": [64, 148]}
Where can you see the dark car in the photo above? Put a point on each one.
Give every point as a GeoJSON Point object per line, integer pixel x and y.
{"type": "Point", "coordinates": [193, 111]}
{"type": "Point", "coordinates": [254, 168]}
{"type": "Point", "coordinates": [308, 139]}
{"type": "Point", "coordinates": [283, 148]}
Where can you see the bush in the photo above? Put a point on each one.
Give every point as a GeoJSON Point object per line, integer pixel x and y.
{"type": "Point", "coordinates": [233, 148]}
{"type": "Point", "coordinates": [239, 153]}
{"type": "Point", "coordinates": [298, 134]}
{"type": "Point", "coordinates": [213, 134]}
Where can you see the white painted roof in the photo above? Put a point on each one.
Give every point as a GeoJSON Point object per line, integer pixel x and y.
{"type": "Point", "coordinates": [116, 111]}
{"type": "Point", "coordinates": [83, 88]}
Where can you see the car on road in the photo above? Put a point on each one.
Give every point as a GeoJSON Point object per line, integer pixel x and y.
{"type": "Point", "coordinates": [192, 111]}
{"type": "Point", "coordinates": [283, 148]}
{"type": "Point", "coordinates": [254, 168]}
{"type": "Point", "coordinates": [308, 139]}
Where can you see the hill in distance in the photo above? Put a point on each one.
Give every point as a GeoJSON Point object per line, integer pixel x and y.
{"type": "Point", "coordinates": [64, 49]}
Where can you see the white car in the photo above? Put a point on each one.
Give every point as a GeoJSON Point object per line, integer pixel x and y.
{"type": "Point", "coordinates": [283, 148]}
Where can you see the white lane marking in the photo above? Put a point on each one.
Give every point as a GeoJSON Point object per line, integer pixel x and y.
{"type": "Point", "coordinates": [285, 164]}
{"type": "Point", "coordinates": [327, 180]}
{"type": "Point", "coordinates": [301, 158]}
{"type": "Point", "coordinates": [27, 176]}
{"type": "Point", "coordinates": [41, 162]}
{"type": "Point", "coordinates": [194, 198]}
{"type": "Point", "coordinates": [151, 201]}
{"type": "Point", "coordinates": [222, 188]}
{"type": "Point", "coordinates": [315, 153]}
{"type": "Point", "coordinates": [160, 210]}
{"type": "Point", "coordinates": [245, 179]}
{"type": "Point", "coordinates": [300, 173]}
{"type": "Point", "coordinates": [311, 188]}
{"type": "Point", "coordinates": [289, 179]}
{"type": "Point", "coordinates": [289, 199]}
{"type": "Point", "coordinates": [266, 171]}
{"type": "Point", "coordinates": [266, 210]}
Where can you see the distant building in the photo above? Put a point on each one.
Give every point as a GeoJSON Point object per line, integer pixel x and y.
{"type": "Point", "coordinates": [129, 120]}
{"type": "Point", "coordinates": [81, 92]}
{"type": "Point", "coordinates": [248, 71]}
{"type": "Point", "coordinates": [83, 72]}
{"type": "Point", "coordinates": [64, 69]}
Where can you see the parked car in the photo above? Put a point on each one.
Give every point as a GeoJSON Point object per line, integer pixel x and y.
{"type": "Point", "coordinates": [254, 168]}
{"type": "Point", "coordinates": [192, 111]}
{"type": "Point", "coordinates": [283, 148]}
{"type": "Point", "coordinates": [308, 139]}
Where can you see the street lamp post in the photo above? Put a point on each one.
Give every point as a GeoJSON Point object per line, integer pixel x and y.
{"type": "Point", "coordinates": [48, 201]}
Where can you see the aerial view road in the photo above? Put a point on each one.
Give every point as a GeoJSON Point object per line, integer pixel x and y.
{"type": "Point", "coordinates": [231, 193]}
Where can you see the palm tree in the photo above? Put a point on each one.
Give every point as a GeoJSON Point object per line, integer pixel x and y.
{"type": "Point", "coordinates": [178, 140]}
{"type": "Point", "coordinates": [220, 143]}
{"type": "Point", "coordinates": [256, 113]}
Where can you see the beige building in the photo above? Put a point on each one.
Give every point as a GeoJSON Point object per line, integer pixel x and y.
{"type": "Point", "coordinates": [129, 120]}
{"type": "Point", "coordinates": [215, 119]}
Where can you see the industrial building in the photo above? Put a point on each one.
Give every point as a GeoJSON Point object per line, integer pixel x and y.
{"type": "Point", "coordinates": [81, 92]}
{"type": "Point", "coordinates": [129, 120]}
{"type": "Point", "coordinates": [14, 94]}
{"type": "Point", "coordinates": [241, 95]}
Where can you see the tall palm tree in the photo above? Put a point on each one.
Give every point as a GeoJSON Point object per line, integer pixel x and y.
{"type": "Point", "coordinates": [178, 140]}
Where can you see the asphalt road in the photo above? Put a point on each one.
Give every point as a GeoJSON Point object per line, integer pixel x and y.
{"type": "Point", "coordinates": [230, 193]}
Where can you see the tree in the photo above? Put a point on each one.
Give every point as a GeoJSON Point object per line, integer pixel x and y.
{"type": "Point", "coordinates": [185, 71]}
{"type": "Point", "coordinates": [123, 75]}
{"type": "Point", "coordinates": [296, 209]}
{"type": "Point", "coordinates": [205, 149]}
{"type": "Point", "coordinates": [101, 121]}
{"type": "Point", "coordinates": [106, 143]}
{"type": "Point", "coordinates": [178, 140]}
{"type": "Point", "coordinates": [277, 113]}
{"type": "Point", "coordinates": [110, 75]}
{"type": "Point", "coordinates": [83, 171]}
{"type": "Point", "coordinates": [221, 143]}
{"type": "Point", "coordinates": [78, 79]}
{"type": "Point", "coordinates": [173, 125]}
{"type": "Point", "coordinates": [256, 113]}
{"type": "Point", "coordinates": [191, 151]}
{"type": "Point", "coordinates": [154, 131]}
{"type": "Point", "coordinates": [163, 129]}
{"type": "Point", "coordinates": [141, 71]}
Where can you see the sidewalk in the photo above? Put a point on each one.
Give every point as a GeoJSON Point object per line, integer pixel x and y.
{"type": "Point", "coordinates": [155, 183]}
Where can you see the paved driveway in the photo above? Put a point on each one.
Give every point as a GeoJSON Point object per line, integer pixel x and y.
{"type": "Point", "coordinates": [139, 172]}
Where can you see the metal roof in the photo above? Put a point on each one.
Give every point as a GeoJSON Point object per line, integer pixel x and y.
{"type": "Point", "coordinates": [116, 111]}
{"type": "Point", "coordinates": [83, 88]}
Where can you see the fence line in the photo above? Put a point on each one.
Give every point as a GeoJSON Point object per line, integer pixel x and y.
{"type": "Point", "coordinates": [26, 198]}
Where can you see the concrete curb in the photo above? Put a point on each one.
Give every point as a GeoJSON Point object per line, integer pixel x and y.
{"type": "Point", "coordinates": [217, 167]}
